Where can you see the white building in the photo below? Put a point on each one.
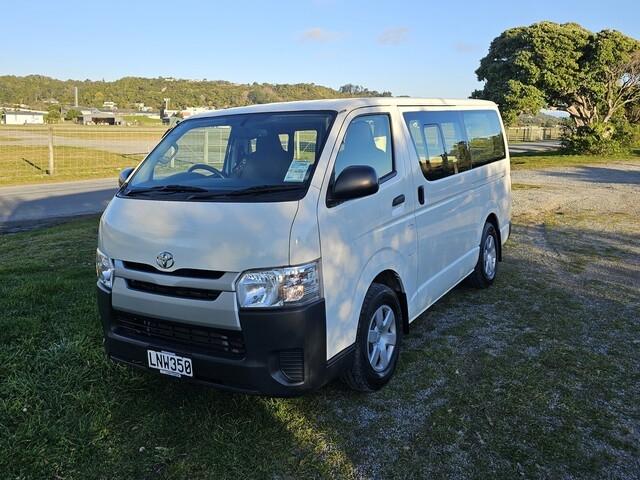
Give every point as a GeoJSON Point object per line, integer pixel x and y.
{"type": "Point", "coordinates": [142, 107]}
{"type": "Point", "coordinates": [23, 117]}
{"type": "Point", "coordinates": [187, 112]}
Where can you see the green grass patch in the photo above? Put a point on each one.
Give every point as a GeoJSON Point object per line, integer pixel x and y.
{"type": "Point", "coordinates": [530, 378]}
{"type": "Point", "coordinates": [142, 120]}
{"type": "Point", "coordinates": [524, 186]}
{"type": "Point", "coordinates": [533, 160]}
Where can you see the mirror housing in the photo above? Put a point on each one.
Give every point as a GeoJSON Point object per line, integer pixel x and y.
{"type": "Point", "coordinates": [125, 173]}
{"type": "Point", "coordinates": [355, 181]}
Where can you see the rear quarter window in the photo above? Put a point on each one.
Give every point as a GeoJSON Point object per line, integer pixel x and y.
{"type": "Point", "coordinates": [440, 142]}
{"type": "Point", "coordinates": [484, 133]}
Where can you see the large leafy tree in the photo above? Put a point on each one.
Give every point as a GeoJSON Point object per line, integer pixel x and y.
{"type": "Point", "coordinates": [593, 76]}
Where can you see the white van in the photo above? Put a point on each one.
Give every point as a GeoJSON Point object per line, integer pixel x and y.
{"type": "Point", "coordinates": [272, 248]}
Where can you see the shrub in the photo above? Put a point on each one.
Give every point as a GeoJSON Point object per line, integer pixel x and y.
{"type": "Point", "coordinates": [602, 138]}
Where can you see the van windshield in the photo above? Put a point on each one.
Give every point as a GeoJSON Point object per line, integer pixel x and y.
{"type": "Point", "coordinates": [245, 157]}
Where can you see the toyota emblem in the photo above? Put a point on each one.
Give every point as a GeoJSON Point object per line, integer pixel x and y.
{"type": "Point", "coordinates": [165, 260]}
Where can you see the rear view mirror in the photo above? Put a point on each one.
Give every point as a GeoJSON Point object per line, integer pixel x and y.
{"type": "Point", "coordinates": [355, 181]}
{"type": "Point", "coordinates": [124, 175]}
{"type": "Point", "coordinates": [169, 154]}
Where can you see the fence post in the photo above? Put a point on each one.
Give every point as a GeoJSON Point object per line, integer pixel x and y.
{"type": "Point", "coordinates": [206, 145]}
{"type": "Point", "coordinates": [50, 171]}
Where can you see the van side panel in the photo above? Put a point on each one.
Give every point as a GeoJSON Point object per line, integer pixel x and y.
{"type": "Point", "coordinates": [449, 224]}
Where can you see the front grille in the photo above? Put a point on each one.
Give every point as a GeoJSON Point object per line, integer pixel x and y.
{"type": "Point", "coordinates": [292, 364]}
{"type": "Point", "coordinates": [181, 292]}
{"type": "Point", "coordinates": [214, 341]}
{"type": "Point", "coordinates": [180, 272]}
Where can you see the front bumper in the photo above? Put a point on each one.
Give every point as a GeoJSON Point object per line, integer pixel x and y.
{"type": "Point", "coordinates": [284, 351]}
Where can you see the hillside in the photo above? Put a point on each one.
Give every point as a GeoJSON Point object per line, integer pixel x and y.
{"type": "Point", "coordinates": [37, 91]}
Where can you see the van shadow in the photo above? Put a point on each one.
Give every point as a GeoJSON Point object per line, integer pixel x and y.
{"type": "Point", "coordinates": [592, 174]}
{"type": "Point", "coordinates": [225, 434]}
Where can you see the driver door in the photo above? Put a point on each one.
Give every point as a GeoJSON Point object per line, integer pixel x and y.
{"type": "Point", "coordinates": [360, 235]}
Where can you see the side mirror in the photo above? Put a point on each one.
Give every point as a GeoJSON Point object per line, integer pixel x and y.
{"type": "Point", "coordinates": [355, 181]}
{"type": "Point", "coordinates": [124, 175]}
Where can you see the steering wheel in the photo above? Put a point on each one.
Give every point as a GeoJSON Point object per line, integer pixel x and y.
{"type": "Point", "coordinates": [208, 168]}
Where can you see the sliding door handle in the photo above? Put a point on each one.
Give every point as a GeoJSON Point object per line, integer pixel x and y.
{"type": "Point", "coordinates": [397, 201]}
{"type": "Point", "coordinates": [421, 195]}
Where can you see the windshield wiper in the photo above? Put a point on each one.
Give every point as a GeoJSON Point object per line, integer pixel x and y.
{"type": "Point", "coordinates": [166, 189]}
{"type": "Point", "coordinates": [256, 189]}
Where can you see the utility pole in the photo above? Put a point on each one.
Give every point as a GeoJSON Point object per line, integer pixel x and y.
{"type": "Point", "coordinates": [75, 91]}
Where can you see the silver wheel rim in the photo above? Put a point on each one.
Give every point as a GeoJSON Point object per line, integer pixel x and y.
{"type": "Point", "coordinates": [381, 338]}
{"type": "Point", "coordinates": [490, 256]}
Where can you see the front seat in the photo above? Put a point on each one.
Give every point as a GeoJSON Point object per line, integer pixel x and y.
{"type": "Point", "coordinates": [269, 163]}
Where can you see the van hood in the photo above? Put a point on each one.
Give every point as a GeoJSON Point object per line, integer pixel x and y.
{"type": "Point", "coordinates": [222, 236]}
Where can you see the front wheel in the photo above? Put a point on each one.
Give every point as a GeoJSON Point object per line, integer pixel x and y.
{"type": "Point", "coordinates": [486, 269]}
{"type": "Point", "coordinates": [377, 342]}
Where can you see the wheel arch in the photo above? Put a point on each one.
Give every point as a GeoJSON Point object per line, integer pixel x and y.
{"type": "Point", "coordinates": [392, 279]}
{"type": "Point", "coordinates": [492, 218]}
{"type": "Point", "coordinates": [387, 266]}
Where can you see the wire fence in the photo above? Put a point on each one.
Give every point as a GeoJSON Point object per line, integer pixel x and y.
{"type": "Point", "coordinates": [34, 153]}
{"type": "Point", "coordinates": [41, 153]}
{"type": "Point", "coordinates": [534, 134]}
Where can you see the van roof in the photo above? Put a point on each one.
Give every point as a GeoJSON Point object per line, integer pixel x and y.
{"type": "Point", "coordinates": [339, 104]}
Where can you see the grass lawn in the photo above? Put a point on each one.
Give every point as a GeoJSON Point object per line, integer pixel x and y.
{"type": "Point", "coordinates": [29, 164]}
{"type": "Point", "coordinates": [537, 376]}
{"type": "Point", "coordinates": [558, 159]}
{"type": "Point", "coordinates": [142, 120]}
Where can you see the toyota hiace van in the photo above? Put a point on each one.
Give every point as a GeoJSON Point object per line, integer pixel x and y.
{"type": "Point", "coordinates": [272, 248]}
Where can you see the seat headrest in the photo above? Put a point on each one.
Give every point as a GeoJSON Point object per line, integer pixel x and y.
{"type": "Point", "coordinates": [359, 137]}
{"type": "Point", "coordinates": [269, 144]}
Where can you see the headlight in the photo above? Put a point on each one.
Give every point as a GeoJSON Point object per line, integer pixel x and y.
{"type": "Point", "coordinates": [104, 269]}
{"type": "Point", "coordinates": [277, 287]}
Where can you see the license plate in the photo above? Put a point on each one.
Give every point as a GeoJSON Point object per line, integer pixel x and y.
{"type": "Point", "coordinates": [170, 363]}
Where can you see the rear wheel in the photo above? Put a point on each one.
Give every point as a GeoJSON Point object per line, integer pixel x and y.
{"type": "Point", "coordinates": [377, 342]}
{"type": "Point", "coordinates": [486, 269]}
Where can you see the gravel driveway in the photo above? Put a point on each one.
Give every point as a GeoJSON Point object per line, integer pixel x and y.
{"type": "Point", "coordinates": [605, 189]}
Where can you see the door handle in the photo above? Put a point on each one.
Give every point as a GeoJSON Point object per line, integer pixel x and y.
{"type": "Point", "coordinates": [421, 195]}
{"type": "Point", "coordinates": [397, 201]}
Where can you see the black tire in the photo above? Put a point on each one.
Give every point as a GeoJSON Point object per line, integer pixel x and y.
{"type": "Point", "coordinates": [482, 277]}
{"type": "Point", "coordinates": [361, 375]}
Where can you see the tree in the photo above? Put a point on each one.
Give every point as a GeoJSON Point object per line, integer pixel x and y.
{"type": "Point", "coordinates": [352, 90]}
{"type": "Point", "coordinates": [72, 114]}
{"type": "Point", "coordinates": [53, 115]}
{"type": "Point", "coordinates": [622, 81]}
{"type": "Point", "coordinates": [261, 94]}
{"type": "Point", "coordinates": [592, 76]}
{"type": "Point", "coordinates": [98, 99]}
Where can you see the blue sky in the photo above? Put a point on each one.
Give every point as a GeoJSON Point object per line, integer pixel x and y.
{"type": "Point", "coordinates": [420, 48]}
